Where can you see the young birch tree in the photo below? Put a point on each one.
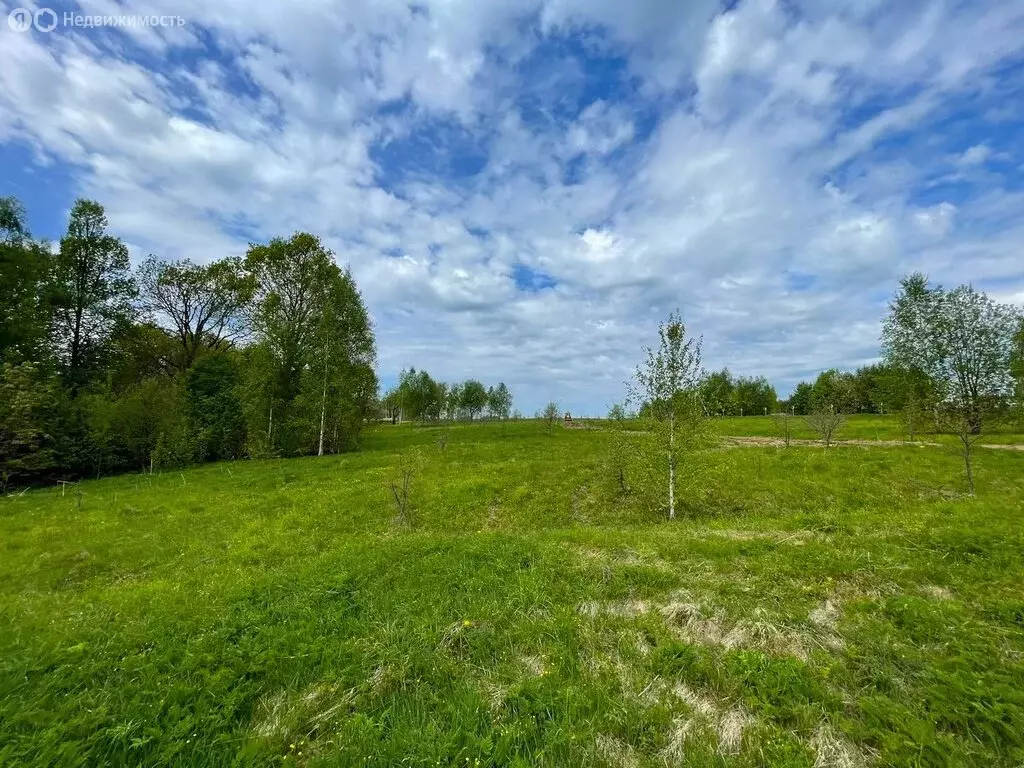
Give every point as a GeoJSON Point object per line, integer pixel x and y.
{"type": "Point", "coordinates": [667, 383]}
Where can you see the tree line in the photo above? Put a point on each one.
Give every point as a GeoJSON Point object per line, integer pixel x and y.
{"type": "Point", "coordinates": [420, 397]}
{"type": "Point", "coordinates": [945, 352]}
{"type": "Point", "coordinates": [105, 369]}
{"type": "Point", "coordinates": [954, 357]}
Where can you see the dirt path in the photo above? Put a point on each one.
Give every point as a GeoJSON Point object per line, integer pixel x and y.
{"type": "Point", "coordinates": [735, 441]}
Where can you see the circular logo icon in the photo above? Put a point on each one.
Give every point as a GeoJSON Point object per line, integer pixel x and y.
{"type": "Point", "coordinates": [20, 20]}
{"type": "Point", "coordinates": [45, 19]}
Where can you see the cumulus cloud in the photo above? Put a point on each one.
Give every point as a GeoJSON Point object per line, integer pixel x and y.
{"type": "Point", "coordinates": [524, 189]}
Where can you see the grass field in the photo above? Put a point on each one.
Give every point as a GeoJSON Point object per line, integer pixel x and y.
{"type": "Point", "coordinates": [847, 607]}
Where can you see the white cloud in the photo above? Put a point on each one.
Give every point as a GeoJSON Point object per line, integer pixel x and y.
{"type": "Point", "coordinates": [737, 149]}
{"type": "Point", "coordinates": [973, 156]}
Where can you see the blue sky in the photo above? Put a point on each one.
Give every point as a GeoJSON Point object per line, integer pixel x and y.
{"type": "Point", "coordinates": [523, 189]}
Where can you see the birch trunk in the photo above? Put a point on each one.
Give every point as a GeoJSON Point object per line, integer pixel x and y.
{"type": "Point", "coordinates": [323, 402]}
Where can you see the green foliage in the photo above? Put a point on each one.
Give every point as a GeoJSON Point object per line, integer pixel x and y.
{"type": "Point", "coordinates": [213, 408]}
{"type": "Point", "coordinates": [142, 427]}
{"type": "Point", "coordinates": [24, 274]}
{"type": "Point", "coordinates": [724, 395]}
{"type": "Point", "coordinates": [92, 289]}
{"type": "Point", "coordinates": [473, 397]}
{"type": "Point", "coordinates": [668, 385]}
{"type": "Point", "coordinates": [1017, 371]}
{"type": "Point", "coordinates": [499, 401]}
{"type": "Point", "coordinates": [801, 401]}
{"type": "Point", "coordinates": [26, 403]}
{"type": "Point", "coordinates": [962, 340]}
{"type": "Point", "coordinates": [549, 417]}
{"type": "Point", "coordinates": [419, 396]}
{"type": "Point", "coordinates": [202, 304]}
{"type": "Point", "coordinates": [834, 391]}
{"type": "Point", "coordinates": [314, 382]}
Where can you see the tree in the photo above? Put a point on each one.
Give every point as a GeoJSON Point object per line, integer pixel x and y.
{"type": "Point", "coordinates": [754, 396]}
{"type": "Point", "coordinates": [960, 423]}
{"type": "Point", "coordinates": [202, 304]}
{"type": "Point", "coordinates": [826, 421]}
{"type": "Point", "coordinates": [420, 396]}
{"type": "Point", "coordinates": [93, 290]}
{"type": "Point", "coordinates": [870, 388]}
{"type": "Point", "coordinates": [800, 400]}
{"type": "Point", "coordinates": [834, 391]}
{"type": "Point", "coordinates": [668, 383]}
{"type": "Point", "coordinates": [550, 417]}
{"type": "Point", "coordinates": [907, 391]}
{"type": "Point", "coordinates": [718, 393]}
{"type": "Point", "coordinates": [499, 401]}
{"type": "Point", "coordinates": [24, 275]}
{"type": "Point", "coordinates": [345, 349]}
{"type": "Point", "coordinates": [391, 405]}
{"type": "Point", "coordinates": [961, 339]}
{"type": "Point", "coordinates": [453, 401]}
{"type": "Point", "coordinates": [25, 400]}
{"type": "Point", "coordinates": [289, 277]}
{"type": "Point", "coordinates": [213, 409]}
{"type": "Point", "coordinates": [473, 397]}
{"type": "Point", "coordinates": [1017, 371]}
{"type": "Point", "coordinates": [784, 427]}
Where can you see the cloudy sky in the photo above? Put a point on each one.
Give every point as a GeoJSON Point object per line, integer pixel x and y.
{"type": "Point", "coordinates": [524, 188]}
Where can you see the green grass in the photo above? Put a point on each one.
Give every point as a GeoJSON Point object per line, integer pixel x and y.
{"type": "Point", "coordinates": [849, 605]}
{"type": "Point", "coordinates": [861, 427]}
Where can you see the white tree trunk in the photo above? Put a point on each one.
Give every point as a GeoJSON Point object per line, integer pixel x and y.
{"type": "Point", "coordinates": [323, 416]}
{"type": "Point", "coordinates": [320, 450]}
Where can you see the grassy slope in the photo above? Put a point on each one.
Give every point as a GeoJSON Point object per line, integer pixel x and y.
{"type": "Point", "coordinates": [835, 605]}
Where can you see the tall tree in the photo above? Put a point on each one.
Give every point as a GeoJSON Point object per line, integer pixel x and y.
{"type": "Point", "coordinates": [668, 383]}
{"type": "Point", "coordinates": [289, 277]}
{"type": "Point", "coordinates": [1017, 370]}
{"type": "Point", "coordinates": [344, 347]}
{"type": "Point", "coordinates": [26, 399]}
{"type": "Point", "coordinates": [754, 396]}
{"type": "Point", "coordinates": [717, 392]}
{"type": "Point", "coordinates": [834, 391]}
{"type": "Point", "coordinates": [93, 290]}
{"type": "Point", "coordinates": [960, 338]}
{"type": "Point", "coordinates": [453, 401]}
{"type": "Point", "coordinates": [215, 419]}
{"type": "Point", "coordinates": [24, 274]}
{"type": "Point", "coordinates": [499, 401]}
{"type": "Point", "coordinates": [473, 397]}
{"type": "Point", "coordinates": [202, 304]}
{"type": "Point", "coordinates": [800, 402]}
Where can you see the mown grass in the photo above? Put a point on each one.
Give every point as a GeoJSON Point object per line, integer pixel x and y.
{"type": "Point", "coordinates": [840, 607]}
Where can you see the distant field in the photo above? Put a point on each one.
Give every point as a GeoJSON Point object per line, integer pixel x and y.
{"type": "Point", "coordinates": [812, 608]}
{"type": "Point", "coordinates": [859, 427]}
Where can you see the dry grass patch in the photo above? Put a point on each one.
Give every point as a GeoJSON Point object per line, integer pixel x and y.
{"type": "Point", "coordinates": [616, 752]}
{"type": "Point", "coordinates": [282, 714]}
{"type": "Point", "coordinates": [831, 750]}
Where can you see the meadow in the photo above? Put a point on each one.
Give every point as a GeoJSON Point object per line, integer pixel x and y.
{"type": "Point", "coordinates": [842, 607]}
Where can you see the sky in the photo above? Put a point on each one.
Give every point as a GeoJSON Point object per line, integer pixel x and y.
{"type": "Point", "coordinates": [524, 189]}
